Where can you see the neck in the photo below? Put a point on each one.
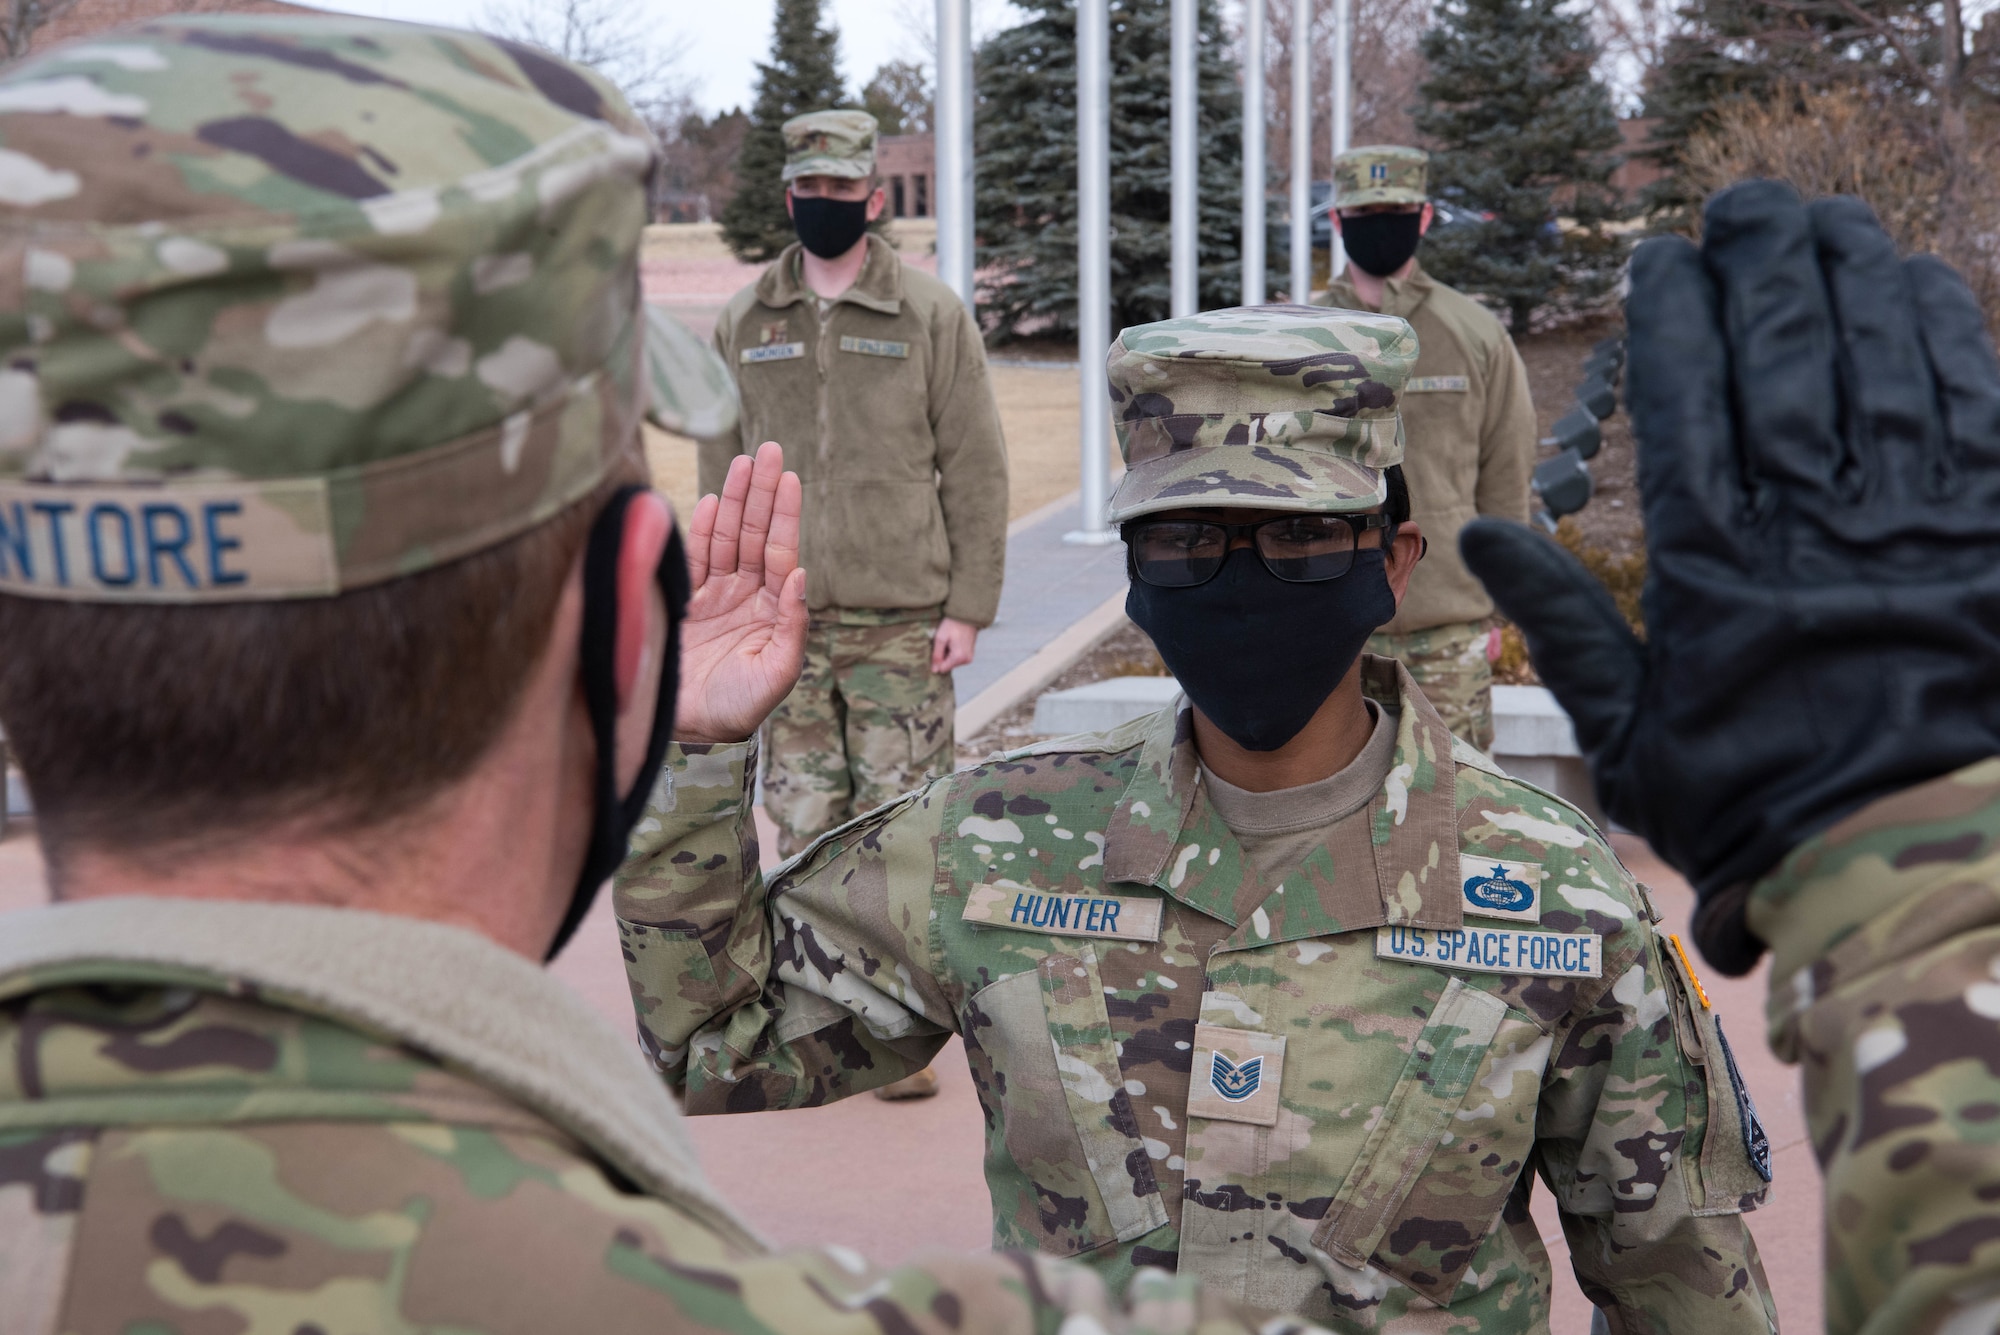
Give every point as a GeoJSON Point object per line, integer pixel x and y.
{"type": "Point", "coordinates": [1371, 288]}
{"type": "Point", "coordinates": [830, 278]}
{"type": "Point", "coordinates": [496, 853]}
{"type": "Point", "coordinates": [1328, 744]}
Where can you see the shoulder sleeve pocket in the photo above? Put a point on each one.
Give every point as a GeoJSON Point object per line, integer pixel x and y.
{"type": "Point", "coordinates": [1731, 1172]}
{"type": "Point", "coordinates": [1446, 1148]}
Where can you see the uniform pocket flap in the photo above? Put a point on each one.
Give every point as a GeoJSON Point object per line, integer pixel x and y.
{"type": "Point", "coordinates": [1442, 1063]}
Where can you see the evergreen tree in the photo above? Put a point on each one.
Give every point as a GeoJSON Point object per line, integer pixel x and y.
{"type": "Point", "coordinates": [803, 75]}
{"type": "Point", "coordinates": [1524, 132]}
{"type": "Point", "coordinates": [1025, 129]}
{"type": "Point", "coordinates": [1731, 50]}
{"type": "Point", "coordinates": [899, 98]}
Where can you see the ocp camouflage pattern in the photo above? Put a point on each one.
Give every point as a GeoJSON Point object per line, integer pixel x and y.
{"type": "Point", "coordinates": [1282, 407]}
{"type": "Point", "coordinates": [866, 722]}
{"type": "Point", "coordinates": [1885, 989]}
{"type": "Point", "coordinates": [1416, 1103]}
{"type": "Point", "coordinates": [829, 143]}
{"type": "Point", "coordinates": [1449, 664]}
{"type": "Point", "coordinates": [321, 271]}
{"type": "Point", "coordinates": [180, 1153]}
{"type": "Point", "coordinates": [1380, 174]}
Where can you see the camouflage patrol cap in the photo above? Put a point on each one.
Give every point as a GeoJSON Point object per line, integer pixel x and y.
{"type": "Point", "coordinates": [291, 306]}
{"type": "Point", "coordinates": [1273, 407]}
{"type": "Point", "coordinates": [829, 143]}
{"type": "Point", "coordinates": [1380, 174]}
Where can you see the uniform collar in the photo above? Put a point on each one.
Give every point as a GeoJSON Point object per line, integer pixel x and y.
{"type": "Point", "coordinates": [461, 1001]}
{"type": "Point", "coordinates": [1400, 296]}
{"type": "Point", "coordinates": [1165, 833]}
{"type": "Point", "coordinates": [879, 288]}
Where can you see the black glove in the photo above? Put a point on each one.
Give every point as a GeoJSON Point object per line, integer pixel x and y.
{"type": "Point", "coordinates": [1819, 458]}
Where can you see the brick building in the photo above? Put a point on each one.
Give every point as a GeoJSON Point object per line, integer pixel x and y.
{"type": "Point", "coordinates": [907, 164]}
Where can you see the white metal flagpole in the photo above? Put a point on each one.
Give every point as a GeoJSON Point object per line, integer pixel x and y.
{"type": "Point", "coordinates": [1343, 108]}
{"type": "Point", "coordinates": [1301, 151]}
{"type": "Point", "coordinates": [954, 147]}
{"type": "Point", "coordinates": [1184, 262]}
{"type": "Point", "coordinates": [1093, 264]}
{"type": "Point", "coordinates": [1255, 205]}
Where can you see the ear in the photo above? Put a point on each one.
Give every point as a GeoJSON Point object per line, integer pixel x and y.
{"type": "Point", "coordinates": [647, 524]}
{"type": "Point", "coordinates": [877, 201]}
{"type": "Point", "coordinates": [1404, 553]}
{"type": "Point", "coordinates": [1333, 216]}
{"type": "Point", "coordinates": [788, 202]}
{"type": "Point", "coordinates": [1424, 223]}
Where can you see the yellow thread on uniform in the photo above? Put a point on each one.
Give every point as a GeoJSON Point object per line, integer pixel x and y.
{"type": "Point", "coordinates": [1687, 965]}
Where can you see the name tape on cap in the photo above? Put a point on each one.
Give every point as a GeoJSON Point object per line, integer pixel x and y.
{"type": "Point", "coordinates": [1024, 909]}
{"type": "Point", "coordinates": [185, 542]}
{"type": "Point", "coordinates": [1496, 950]}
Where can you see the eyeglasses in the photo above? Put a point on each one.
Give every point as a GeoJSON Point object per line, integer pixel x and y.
{"type": "Point", "coordinates": [1299, 549]}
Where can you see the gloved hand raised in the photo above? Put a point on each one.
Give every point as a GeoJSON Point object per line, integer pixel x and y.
{"type": "Point", "coordinates": [1819, 461]}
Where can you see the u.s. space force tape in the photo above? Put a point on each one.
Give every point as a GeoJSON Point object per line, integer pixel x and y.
{"type": "Point", "coordinates": [1495, 950]}
{"type": "Point", "coordinates": [238, 540]}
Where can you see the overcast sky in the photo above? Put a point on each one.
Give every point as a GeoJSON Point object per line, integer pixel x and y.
{"type": "Point", "coordinates": [720, 41]}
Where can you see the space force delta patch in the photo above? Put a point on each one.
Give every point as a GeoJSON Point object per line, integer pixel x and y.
{"type": "Point", "coordinates": [1496, 950]}
{"type": "Point", "coordinates": [1113, 917]}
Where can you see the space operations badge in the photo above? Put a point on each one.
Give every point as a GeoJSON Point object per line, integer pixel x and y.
{"type": "Point", "coordinates": [1497, 888]}
{"type": "Point", "coordinates": [1237, 1073]}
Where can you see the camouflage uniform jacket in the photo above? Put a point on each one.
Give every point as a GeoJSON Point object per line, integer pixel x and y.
{"type": "Point", "coordinates": [1885, 988]}
{"type": "Point", "coordinates": [1469, 437]}
{"type": "Point", "coordinates": [268, 1118]}
{"type": "Point", "coordinates": [886, 414]}
{"type": "Point", "coordinates": [1403, 1108]}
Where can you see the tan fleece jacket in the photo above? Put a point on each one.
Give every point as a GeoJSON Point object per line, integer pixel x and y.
{"type": "Point", "coordinates": [886, 413]}
{"type": "Point", "coordinates": [1469, 432]}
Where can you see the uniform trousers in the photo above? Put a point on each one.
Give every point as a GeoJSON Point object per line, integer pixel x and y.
{"type": "Point", "coordinates": [1449, 662]}
{"type": "Point", "coordinates": [867, 722]}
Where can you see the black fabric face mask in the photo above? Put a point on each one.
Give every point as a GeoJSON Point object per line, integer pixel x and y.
{"type": "Point", "coordinates": [1257, 655]}
{"type": "Point", "coordinates": [614, 817]}
{"type": "Point", "coordinates": [829, 227]}
{"type": "Point", "coordinates": [1381, 243]}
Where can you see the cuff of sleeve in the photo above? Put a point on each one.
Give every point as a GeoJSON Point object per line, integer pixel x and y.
{"type": "Point", "coordinates": [979, 614]}
{"type": "Point", "coordinates": [700, 783]}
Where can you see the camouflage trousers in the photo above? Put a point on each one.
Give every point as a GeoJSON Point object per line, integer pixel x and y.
{"type": "Point", "coordinates": [867, 722]}
{"type": "Point", "coordinates": [1450, 663]}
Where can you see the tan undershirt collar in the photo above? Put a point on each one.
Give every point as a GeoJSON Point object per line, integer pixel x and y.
{"type": "Point", "coordinates": [1311, 806]}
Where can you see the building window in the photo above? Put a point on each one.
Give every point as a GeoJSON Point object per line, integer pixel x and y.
{"type": "Point", "coordinates": [923, 196]}
{"type": "Point", "coordinates": [896, 197]}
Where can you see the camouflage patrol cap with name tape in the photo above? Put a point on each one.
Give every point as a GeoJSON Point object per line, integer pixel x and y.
{"type": "Point", "coordinates": [291, 306]}
{"type": "Point", "coordinates": [829, 143]}
{"type": "Point", "coordinates": [1380, 174]}
{"type": "Point", "coordinates": [1271, 407]}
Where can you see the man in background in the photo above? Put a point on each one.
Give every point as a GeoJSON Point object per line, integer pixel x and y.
{"type": "Point", "coordinates": [1470, 423]}
{"type": "Point", "coordinates": [872, 375]}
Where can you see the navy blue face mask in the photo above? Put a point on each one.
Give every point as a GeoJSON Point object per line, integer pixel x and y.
{"type": "Point", "coordinates": [1257, 655]}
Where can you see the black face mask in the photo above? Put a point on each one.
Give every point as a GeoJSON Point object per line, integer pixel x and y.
{"type": "Point", "coordinates": [614, 817]}
{"type": "Point", "coordinates": [1381, 243]}
{"type": "Point", "coordinates": [1257, 655]}
{"type": "Point", "coordinates": [829, 227]}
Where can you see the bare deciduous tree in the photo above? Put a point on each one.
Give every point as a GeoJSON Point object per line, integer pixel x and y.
{"type": "Point", "coordinates": [612, 38]}
{"type": "Point", "coordinates": [1387, 69]}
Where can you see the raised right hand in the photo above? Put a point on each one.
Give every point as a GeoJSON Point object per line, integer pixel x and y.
{"type": "Point", "coordinates": [743, 640]}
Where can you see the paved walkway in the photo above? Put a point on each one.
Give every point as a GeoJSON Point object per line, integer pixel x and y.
{"type": "Point", "coordinates": [1050, 586]}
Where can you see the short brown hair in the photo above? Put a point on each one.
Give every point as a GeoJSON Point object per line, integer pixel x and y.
{"type": "Point", "coordinates": [170, 729]}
